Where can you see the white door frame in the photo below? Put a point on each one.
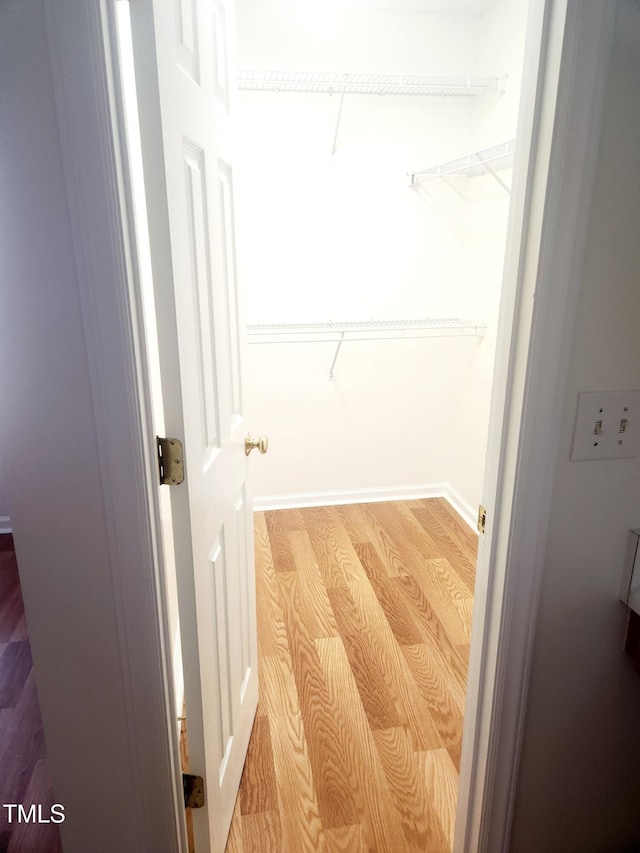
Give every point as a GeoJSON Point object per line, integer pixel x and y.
{"type": "Point", "coordinates": [96, 606]}
{"type": "Point", "coordinates": [560, 118]}
{"type": "Point", "coordinates": [530, 378]}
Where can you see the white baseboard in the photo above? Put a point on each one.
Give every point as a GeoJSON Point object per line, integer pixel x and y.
{"type": "Point", "coordinates": [361, 496]}
{"type": "Point", "coordinates": [5, 524]}
{"type": "Point", "coordinates": [464, 509]}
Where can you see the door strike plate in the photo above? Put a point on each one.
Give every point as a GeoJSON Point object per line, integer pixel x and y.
{"type": "Point", "coordinates": [193, 787]}
{"type": "Point", "coordinates": [170, 461]}
{"type": "Point", "coordinates": [482, 519]}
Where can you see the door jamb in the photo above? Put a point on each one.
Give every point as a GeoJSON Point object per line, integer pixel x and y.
{"type": "Point", "coordinates": [545, 261]}
{"type": "Point", "coordinates": [82, 49]}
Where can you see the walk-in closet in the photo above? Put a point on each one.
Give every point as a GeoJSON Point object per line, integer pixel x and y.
{"type": "Point", "coordinates": [375, 143]}
{"type": "Point", "coordinates": [374, 149]}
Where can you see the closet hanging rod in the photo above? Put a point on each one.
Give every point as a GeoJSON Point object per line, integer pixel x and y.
{"type": "Point", "coordinates": [329, 82]}
{"type": "Point", "coordinates": [486, 161]}
{"type": "Point", "coordinates": [361, 330]}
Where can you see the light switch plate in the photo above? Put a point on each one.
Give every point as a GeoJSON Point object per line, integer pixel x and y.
{"type": "Point", "coordinates": [607, 425]}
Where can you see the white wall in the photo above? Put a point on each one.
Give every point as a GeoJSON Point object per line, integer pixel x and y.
{"type": "Point", "coordinates": [341, 36]}
{"type": "Point", "coordinates": [578, 784]}
{"type": "Point", "coordinates": [344, 238]}
{"type": "Point", "coordinates": [499, 43]}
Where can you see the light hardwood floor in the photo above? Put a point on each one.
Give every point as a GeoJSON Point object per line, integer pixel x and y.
{"type": "Point", "coordinates": [364, 616]}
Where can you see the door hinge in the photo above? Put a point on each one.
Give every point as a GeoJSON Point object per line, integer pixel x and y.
{"type": "Point", "coordinates": [482, 518]}
{"type": "Point", "coordinates": [170, 461]}
{"type": "Point", "coordinates": [193, 787]}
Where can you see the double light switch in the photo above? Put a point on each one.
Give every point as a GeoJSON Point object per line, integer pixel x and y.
{"type": "Point", "coordinates": [607, 425]}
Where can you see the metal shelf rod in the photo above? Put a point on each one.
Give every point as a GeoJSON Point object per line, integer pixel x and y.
{"type": "Point", "coordinates": [364, 84]}
{"type": "Point", "coordinates": [361, 331]}
{"type": "Point", "coordinates": [471, 333]}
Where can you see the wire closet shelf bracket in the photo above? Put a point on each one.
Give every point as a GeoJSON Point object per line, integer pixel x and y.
{"type": "Point", "coordinates": [487, 161]}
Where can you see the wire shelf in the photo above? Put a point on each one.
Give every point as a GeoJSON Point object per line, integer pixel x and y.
{"type": "Point", "coordinates": [488, 160]}
{"type": "Point", "coordinates": [362, 330]}
{"type": "Point", "coordinates": [363, 84]}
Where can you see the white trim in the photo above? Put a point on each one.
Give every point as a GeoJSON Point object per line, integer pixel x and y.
{"type": "Point", "coordinates": [361, 496]}
{"type": "Point", "coordinates": [349, 496]}
{"type": "Point", "coordinates": [579, 107]}
{"type": "Point", "coordinates": [5, 524]}
{"type": "Point", "coordinates": [574, 66]}
{"type": "Point", "coordinates": [476, 780]}
{"type": "Point", "coordinates": [84, 72]}
{"type": "Point", "coordinates": [465, 510]}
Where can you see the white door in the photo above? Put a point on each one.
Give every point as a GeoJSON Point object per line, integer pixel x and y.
{"type": "Point", "coordinates": [182, 53]}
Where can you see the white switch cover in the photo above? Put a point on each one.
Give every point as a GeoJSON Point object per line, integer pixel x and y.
{"type": "Point", "coordinates": [607, 425]}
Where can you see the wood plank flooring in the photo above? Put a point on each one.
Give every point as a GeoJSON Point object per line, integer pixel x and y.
{"type": "Point", "coordinates": [24, 775]}
{"type": "Point", "coordinates": [364, 616]}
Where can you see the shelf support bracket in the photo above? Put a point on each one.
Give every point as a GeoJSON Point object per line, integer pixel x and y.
{"type": "Point", "coordinates": [335, 135]}
{"type": "Point", "coordinates": [335, 357]}
{"type": "Point", "coordinates": [494, 174]}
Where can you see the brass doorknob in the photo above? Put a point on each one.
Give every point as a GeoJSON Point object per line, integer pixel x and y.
{"type": "Point", "coordinates": [261, 443]}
